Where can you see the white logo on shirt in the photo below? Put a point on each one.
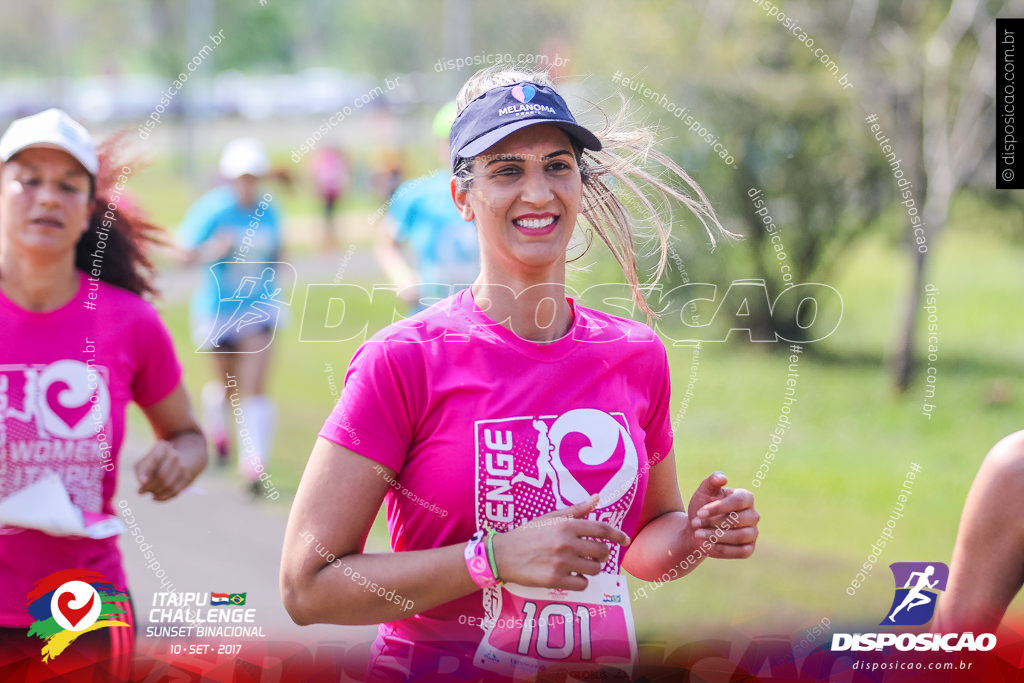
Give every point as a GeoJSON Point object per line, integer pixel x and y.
{"type": "Point", "coordinates": [56, 417]}
{"type": "Point", "coordinates": [604, 439]}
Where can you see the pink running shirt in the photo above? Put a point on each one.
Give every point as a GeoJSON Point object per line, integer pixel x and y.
{"type": "Point", "coordinates": [57, 414]}
{"type": "Point", "coordinates": [486, 429]}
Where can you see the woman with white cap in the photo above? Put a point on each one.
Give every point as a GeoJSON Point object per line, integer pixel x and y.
{"type": "Point", "coordinates": [77, 343]}
{"type": "Point", "coordinates": [234, 232]}
{"type": "Point", "coordinates": [522, 442]}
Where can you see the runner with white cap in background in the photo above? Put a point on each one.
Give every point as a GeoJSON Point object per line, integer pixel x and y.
{"type": "Point", "coordinates": [234, 232]}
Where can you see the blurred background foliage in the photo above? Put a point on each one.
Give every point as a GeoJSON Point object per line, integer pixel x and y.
{"type": "Point", "coordinates": [745, 76]}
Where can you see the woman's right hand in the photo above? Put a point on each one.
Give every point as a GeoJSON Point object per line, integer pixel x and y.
{"type": "Point", "coordinates": [556, 550]}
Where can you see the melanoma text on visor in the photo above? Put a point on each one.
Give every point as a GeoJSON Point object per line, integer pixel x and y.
{"type": "Point", "coordinates": [525, 108]}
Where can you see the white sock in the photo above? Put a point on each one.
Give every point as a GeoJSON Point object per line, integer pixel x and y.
{"type": "Point", "coordinates": [254, 447]}
{"type": "Point", "coordinates": [212, 399]}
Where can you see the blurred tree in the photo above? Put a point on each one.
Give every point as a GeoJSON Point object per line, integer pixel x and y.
{"type": "Point", "coordinates": [404, 35]}
{"type": "Point", "coordinates": [940, 114]}
{"type": "Point", "coordinates": [258, 36]}
{"type": "Point", "coordinates": [167, 50]}
{"type": "Point", "coordinates": [255, 36]}
{"type": "Point", "coordinates": [804, 190]}
{"type": "Point", "coordinates": [801, 171]}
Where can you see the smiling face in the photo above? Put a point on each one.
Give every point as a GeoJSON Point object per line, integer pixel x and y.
{"type": "Point", "coordinates": [524, 198]}
{"type": "Point", "coordinates": [44, 202]}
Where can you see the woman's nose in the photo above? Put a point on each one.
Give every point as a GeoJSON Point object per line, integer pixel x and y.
{"type": "Point", "coordinates": [536, 188]}
{"type": "Point", "coordinates": [48, 195]}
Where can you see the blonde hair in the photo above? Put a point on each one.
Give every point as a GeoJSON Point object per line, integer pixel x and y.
{"type": "Point", "coordinates": [623, 162]}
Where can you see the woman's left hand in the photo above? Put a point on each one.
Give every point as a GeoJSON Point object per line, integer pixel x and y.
{"type": "Point", "coordinates": [723, 518]}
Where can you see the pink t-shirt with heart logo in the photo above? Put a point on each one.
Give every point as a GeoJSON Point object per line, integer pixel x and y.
{"type": "Point", "coordinates": [487, 429]}
{"type": "Point", "coordinates": [66, 377]}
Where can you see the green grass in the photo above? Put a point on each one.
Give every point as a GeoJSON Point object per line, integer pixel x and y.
{"type": "Point", "coordinates": [844, 460]}
{"type": "Point", "coordinates": [841, 463]}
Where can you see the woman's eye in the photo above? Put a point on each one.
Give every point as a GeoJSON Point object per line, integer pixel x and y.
{"type": "Point", "coordinates": [68, 187]}
{"type": "Point", "coordinates": [31, 182]}
{"type": "Point", "coordinates": [558, 166]}
{"type": "Point", "coordinates": [507, 171]}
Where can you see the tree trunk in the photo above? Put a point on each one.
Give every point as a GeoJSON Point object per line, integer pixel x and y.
{"type": "Point", "coordinates": [904, 361]}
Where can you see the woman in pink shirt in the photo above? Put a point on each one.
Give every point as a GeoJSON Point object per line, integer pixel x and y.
{"type": "Point", "coordinates": [521, 442]}
{"type": "Point", "coordinates": [77, 344]}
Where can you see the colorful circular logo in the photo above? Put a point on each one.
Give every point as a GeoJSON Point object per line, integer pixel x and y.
{"type": "Point", "coordinates": [75, 605]}
{"type": "Point", "coordinates": [68, 603]}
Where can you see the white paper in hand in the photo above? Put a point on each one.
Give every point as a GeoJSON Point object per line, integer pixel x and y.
{"type": "Point", "coordinates": [45, 505]}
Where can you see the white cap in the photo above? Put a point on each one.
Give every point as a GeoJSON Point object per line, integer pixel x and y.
{"type": "Point", "coordinates": [51, 128]}
{"type": "Point", "coordinates": [244, 156]}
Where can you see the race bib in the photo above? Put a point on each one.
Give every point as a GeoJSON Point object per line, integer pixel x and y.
{"type": "Point", "coordinates": [532, 629]}
{"type": "Point", "coordinates": [526, 467]}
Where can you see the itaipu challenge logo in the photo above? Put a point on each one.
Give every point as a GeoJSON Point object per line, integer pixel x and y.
{"type": "Point", "coordinates": [71, 602]}
{"type": "Point", "coordinates": [914, 603]}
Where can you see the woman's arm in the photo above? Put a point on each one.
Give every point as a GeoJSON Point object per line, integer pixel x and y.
{"type": "Point", "coordinates": [663, 521]}
{"type": "Point", "coordinates": [179, 454]}
{"type": "Point", "coordinates": [337, 501]}
{"type": "Point", "coordinates": [217, 247]}
{"type": "Point", "coordinates": [988, 560]}
{"type": "Point", "coordinates": [721, 523]}
{"type": "Point", "coordinates": [393, 262]}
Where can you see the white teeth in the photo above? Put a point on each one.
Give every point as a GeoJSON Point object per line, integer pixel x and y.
{"type": "Point", "coordinates": [534, 223]}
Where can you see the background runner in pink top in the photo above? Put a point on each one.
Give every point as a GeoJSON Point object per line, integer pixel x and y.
{"type": "Point", "coordinates": [450, 400]}
{"type": "Point", "coordinates": [77, 343]}
{"type": "Point", "coordinates": [49, 420]}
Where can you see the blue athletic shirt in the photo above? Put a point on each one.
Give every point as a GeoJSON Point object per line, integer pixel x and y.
{"type": "Point", "coordinates": [445, 245]}
{"type": "Point", "coordinates": [238, 275]}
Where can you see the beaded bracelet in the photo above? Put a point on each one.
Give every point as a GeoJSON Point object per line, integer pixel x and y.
{"type": "Point", "coordinates": [476, 561]}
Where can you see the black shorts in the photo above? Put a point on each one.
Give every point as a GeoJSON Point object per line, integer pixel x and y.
{"type": "Point", "coordinates": [229, 342]}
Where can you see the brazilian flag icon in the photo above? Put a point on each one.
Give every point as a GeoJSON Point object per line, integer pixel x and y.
{"type": "Point", "coordinates": [237, 599]}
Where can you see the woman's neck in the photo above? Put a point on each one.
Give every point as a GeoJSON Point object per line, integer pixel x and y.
{"type": "Point", "coordinates": [38, 286]}
{"type": "Point", "coordinates": [534, 310]}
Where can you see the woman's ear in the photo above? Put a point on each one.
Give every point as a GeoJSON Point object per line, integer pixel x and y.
{"type": "Point", "coordinates": [461, 199]}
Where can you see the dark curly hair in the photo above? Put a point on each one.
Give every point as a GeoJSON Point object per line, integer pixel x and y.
{"type": "Point", "coordinates": [117, 242]}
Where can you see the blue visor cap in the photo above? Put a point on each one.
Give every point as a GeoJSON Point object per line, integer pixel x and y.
{"type": "Point", "coordinates": [501, 111]}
